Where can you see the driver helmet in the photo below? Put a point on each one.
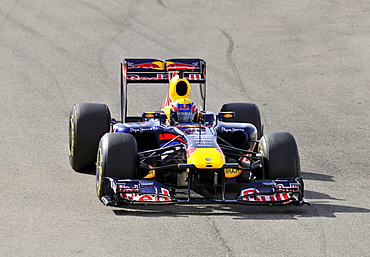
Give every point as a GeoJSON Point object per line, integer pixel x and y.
{"type": "Point", "coordinates": [183, 111]}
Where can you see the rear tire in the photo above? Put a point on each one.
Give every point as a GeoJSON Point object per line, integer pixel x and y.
{"type": "Point", "coordinates": [88, 122]}
{"type": "Point", "coordinates": [246, 113]}
{"type": "Point", "coordinates": [280, 158]}
{"type": "Point", "coordinates": [117, 158]}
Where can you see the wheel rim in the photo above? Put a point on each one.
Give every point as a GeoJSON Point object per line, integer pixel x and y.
{"type": "Point", "coordinates": [71, 136]}
{"type": "Point", "coordinates": [99, 174]}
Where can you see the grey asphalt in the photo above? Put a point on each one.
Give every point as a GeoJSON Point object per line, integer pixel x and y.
{"type": "Point", "coordinates": [306, 64]}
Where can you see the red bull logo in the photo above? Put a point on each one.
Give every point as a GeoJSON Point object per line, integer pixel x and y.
{"type": "Point", "coordinates": [184, 107]}
{"type": "Point", "coordinates": [150, 65]}
{"type": "Point", "coordinates": [163, 196]}
{"type": "Point", "coordinates": [152, 77]}
{"type": "Point", "coordinates": [181, 66]}
{"type": "Point", "coordinates": [159, 76]}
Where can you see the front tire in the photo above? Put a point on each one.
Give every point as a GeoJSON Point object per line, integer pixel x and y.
{"type": "Point", "coordinates": [88, 122]}
{"type": "Point", "coordinates": [280, 158]}
{"type": "Point", "coordinates": [246, 113]}
{"type": "Point", "coordinates": [117, 158]}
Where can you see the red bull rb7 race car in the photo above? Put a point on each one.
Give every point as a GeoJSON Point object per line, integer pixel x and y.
{"type": "Point", "coordinates": [183, 153]}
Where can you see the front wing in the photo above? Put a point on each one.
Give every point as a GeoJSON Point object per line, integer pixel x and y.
{"type": "Point", "coordinates": [268, 192]}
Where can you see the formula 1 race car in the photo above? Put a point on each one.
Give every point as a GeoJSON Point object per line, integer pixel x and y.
{"type": "Point", "coordinates": [182, 154]}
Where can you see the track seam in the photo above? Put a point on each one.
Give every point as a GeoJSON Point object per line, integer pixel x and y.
{"type": "Point", "coordinates": [221, 239]}
{"type": "Point", "coordinates": [232, 64]}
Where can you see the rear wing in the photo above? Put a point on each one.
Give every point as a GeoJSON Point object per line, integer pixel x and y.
{"type": "Point", "coordinates": [148, 70]}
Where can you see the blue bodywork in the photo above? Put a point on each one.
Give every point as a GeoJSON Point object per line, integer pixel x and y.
{"type": "Point", "coordinates": [171, 142]}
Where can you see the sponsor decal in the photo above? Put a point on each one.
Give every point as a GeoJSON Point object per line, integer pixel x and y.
{"type": "Point", "coordinates": [153, 77]}
{"type": "Point", "coordinates": [140, 130]}
{"type": "Point", "coordinates": [163, 196]}
{"type": "Point", "coordinates": [252, 194]}
{"type": "Point", "coordinates": [160, 76]}
{"type": "Point", "coordinates": [200, 141]}
{"type": "Point", "coordinates": [149, 65]}
{"type": "Point", "coordinates": [124, 188]}
{"type": "Point", "coordinates": [184, 107]}
{"type": "Point", "coordinates": [232, 172]}
{"type": "Point", "coordinates": [232, 130]}
{"type": "Point", "coordinates": [181, 66]}
{"type": "Point", "coordinates": [291, 188]}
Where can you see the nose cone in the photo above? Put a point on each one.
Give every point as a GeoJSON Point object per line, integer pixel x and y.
{"type": "Point", "coordinates": [206, 158]}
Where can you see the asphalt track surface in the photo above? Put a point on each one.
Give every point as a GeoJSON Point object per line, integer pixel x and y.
{"type": "Point", "coordinates": [306, 64]}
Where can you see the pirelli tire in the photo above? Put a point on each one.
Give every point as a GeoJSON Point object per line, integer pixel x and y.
{"type": "Point", "coordinates": [246, 113]}
{"type": "Point", "coordinates": [117, 158]}
{"type": "Point", "coordinates": [88, 122]}
{"type": "Point", "coordinates": [280, 157]}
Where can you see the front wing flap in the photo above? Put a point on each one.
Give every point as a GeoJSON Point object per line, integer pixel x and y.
{"type": "Point", "coordinates": [278, 191]}
{"type": "Point", "coordinates": [268, 192]}
{"type": "Point", "coordinates": [139, 191]}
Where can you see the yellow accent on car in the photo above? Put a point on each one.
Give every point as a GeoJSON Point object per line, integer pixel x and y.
{"type": "Point", "coordinates": [160, 64]}
{"type": "Point", "coordinates": [207, 158]}
{"type": "Point", "coordinates": [100, 168]}
{"type": "Point", "coordinates": [260, 149]}
{"type": "Point", "coordinates": [149, 115]}
{"type": "Point", "coordinates": [151, 173]}
{"type": "Point", "coordinates": [232, 172]}
{"type": "Point", "coordinates": [179, 88]}
{"type": "Point", "coordinates": [72, 146]}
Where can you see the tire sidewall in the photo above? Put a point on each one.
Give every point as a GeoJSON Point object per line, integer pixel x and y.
{"type": "Point", "coordinates": [280, 157]}
{"type": "Point", "coordinates": [88, 122]}
{"type": "Point", "coordinates": [117, 158]}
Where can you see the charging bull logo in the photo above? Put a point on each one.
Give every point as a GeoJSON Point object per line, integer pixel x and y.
{"type": "Point", "coordinates": [181, 66]}
{"type": "Point", "coordinates": [150, 65]}
{"type": "Point", "coordinates": [184, 107]}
